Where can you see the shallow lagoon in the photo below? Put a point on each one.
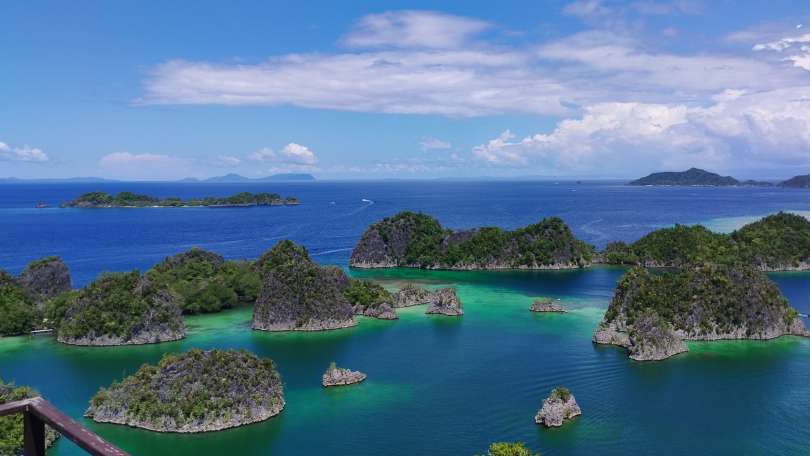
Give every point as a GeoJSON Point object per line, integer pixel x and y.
{"type": "Point", "coordinates": [449, 386]}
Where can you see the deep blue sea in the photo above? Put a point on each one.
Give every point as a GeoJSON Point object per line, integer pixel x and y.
{"type": "Point", "coordinates": [437, 385]}
{"type": "Point", "coordinates": [334, 214]}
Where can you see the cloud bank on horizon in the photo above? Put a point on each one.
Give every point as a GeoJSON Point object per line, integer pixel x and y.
{"type": "Point", "coordinates": [623, 99]}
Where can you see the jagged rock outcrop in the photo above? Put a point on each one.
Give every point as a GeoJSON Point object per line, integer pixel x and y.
{"type": "Point", "coordinates": [196, 391]}
{"type": "Point", "coordinates": [559, 407]}
{"type": "Point", "coordinates": [445, 302]}
{"type": "Point", "coordinates": [419, 241]}
{"type": "Point", "coordinates": [119, 309]}
{"type": "Point", "coordinates": [299, 295]}
{"type": "Point", "coordinates": [45, 278]}
{"type": "Point", "coordinates": [370, 299]}
{"type": "Point", "coordinates": [338, 376]}
{"type": "Point", "coordinates": [546, 305]}
{"type": "Point", "coordinates": [653, 313]}
{"type": "Point", "coordinates": [411, 295]}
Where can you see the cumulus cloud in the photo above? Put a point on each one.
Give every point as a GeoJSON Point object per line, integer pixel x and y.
{"type": "Point", "coordinates": [425, 29]}
{"type": "Point", "coordinates": [797, 46]}
{"type": "Point", "coordinates": [227, 161]}
{"type": "Point", "coordinates": [291, 154]}
{"type": "Point", "coordinates": [768, 130]}
{"type": "Point", "coordinates": [22, 154]}
{"type": "Point", "coordinates": [433, 144]}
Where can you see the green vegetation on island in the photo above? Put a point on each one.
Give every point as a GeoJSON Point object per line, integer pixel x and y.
{"type": "Point", "coordinates": [299, 295]}
{"type": "Point", "coordinates": [196, 391]}
{"type": "Point", "coordinates": [23, 299]}
{"type": "Point", "coordinates": [692, 176]}
{"type": "Point", "coordinates": [509, 449]}
{"type": "Point", "coordinates": [129, 199]}
{"type": "Point", "coordinates": [117, 309]}
{"type": "Point", "coordinates": [653, 312]}
{"type": "Point", "coordinates": [19, 315]}
{"type": "Point", "coordinates": [416, 240]}
{"type": "Point", "coordinates": [776, 242]}
{"type": "Point", "coordinates": [370, 299]}
{"type": "Point", "coordinates": [204, 282]}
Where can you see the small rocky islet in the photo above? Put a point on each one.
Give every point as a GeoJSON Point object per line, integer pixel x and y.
{"type": "Point", "coordinates": [339, 376]}
{"type": "Point", "coordinates": [196, 391]}
{"type": "Point", "coordinates": [558, 408]}
{"type": "Point", "coordinates": [546, 305]}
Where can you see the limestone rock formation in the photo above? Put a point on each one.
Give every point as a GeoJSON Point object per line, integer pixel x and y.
{"type": "Point", "coordinates": [445, 302]}
{"type": "Point", "coordinates": [546, 305]}
{"type": "Point", "coordinates": [299, 295]}
{"type": "Point", "coordinates": [338, 376]}
{"type": "Point", "coordinates": [559, 407]}
{"type": "Point", "coordinates": [45, 278]}
{"type": "Point", "coordinates": [196, 391]}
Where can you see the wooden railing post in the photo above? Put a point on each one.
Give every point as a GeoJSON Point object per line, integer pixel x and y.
{"type": "Point", "coordinates": [34, 435]}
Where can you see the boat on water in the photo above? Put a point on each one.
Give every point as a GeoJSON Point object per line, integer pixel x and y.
{"type": "Point", "coordinates": [41, 205]}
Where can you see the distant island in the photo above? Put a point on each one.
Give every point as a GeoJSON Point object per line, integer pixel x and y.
{"type": "Point", "coordinates": [797, 182]}
{"type": "Point", "coordinates": [196, 391]}
{"type": "Point", "coordinates": [415, 240]}
{"type": "Point", "coordinates": [102, 200]}
{"type": "Point", "coordinates": [692, 176]}
{"type": "Point", "coordinates": [233, 178]}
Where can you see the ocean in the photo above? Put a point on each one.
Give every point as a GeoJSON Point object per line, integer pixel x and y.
{"type": "Point", "coordinates": [436, 385]}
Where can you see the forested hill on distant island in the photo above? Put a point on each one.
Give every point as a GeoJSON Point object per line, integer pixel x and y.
{"type": "Point", "coordinates": [104, 200]}
{"type": "Point", "coordinates": [797, 182]}
{"type": "Point", "coordinates": [692, 176]}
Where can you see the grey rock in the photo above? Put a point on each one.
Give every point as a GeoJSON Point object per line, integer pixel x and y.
{"type": "Point", "coordinates": [546, 305]}
{"type": "Point", "coordinates": [558, 408]}
{"type": "Point", "coordinates": [338, 376]}
{"type": "Point", "coordinates": [45, 278]}
{"type": "Point", "coordinates": [445, 302]}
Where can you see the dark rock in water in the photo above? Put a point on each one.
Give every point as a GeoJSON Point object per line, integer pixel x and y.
{"type": "Point", "coordinates": [45, 278]}
{"type": "Point", "coordinates": [559, 407]}
{"type": "Point", "coordinates": [196, 391]}
{"type": "Point", "coordinates": [411, 295]}
{"type": "Point", "coordinates": [418, 241]}
{"type": "Point", "coordinates": [299, 295]}
{"type": "Point", "coordinates": [119, 309]}
{"type": "Point", "coordinates": [445, 302]}
{"type": "Point", "coordinates": [338, 376]}
{"type": "Point", "coordinates": [701, 302]}
{"type": "Point", "coordinates": [546, 305]}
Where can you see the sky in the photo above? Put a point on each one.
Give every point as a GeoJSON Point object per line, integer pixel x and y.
{"type": "Point", "coordinates": [391, 89]}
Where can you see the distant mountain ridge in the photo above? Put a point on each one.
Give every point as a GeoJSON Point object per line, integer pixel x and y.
{"type": "Point", "coordinates": [802, 181]}
{"type": "Point", "coordinates": [237, 178]}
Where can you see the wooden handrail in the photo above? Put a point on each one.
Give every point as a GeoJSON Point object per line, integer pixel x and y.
{"type": "Point", "coordinates": [37, 412]}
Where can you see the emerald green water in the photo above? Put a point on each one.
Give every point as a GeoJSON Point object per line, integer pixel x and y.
{"type": "Point", "coordinates": [449, 386]}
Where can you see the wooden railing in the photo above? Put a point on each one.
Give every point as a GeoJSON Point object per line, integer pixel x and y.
{"type": "Point", "coordinates": [37, 412]}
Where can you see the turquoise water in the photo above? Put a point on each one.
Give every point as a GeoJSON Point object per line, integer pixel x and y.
{"type": "Point", "coordinates": [449, 386]}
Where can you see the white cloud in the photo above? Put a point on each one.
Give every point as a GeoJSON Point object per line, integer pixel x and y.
{"type": "Point", "coordinates": [291, 154]}
{"type": "Point", "coordinates": [433, 144]}
{"type": "Point", "coordinates": [798, 47]}
{"type": "Point", "coordinates": [766, 130]}
{"type": "Point", "coordinates": [263, 154]}
{"type": "Point", "coordinates": [409, 29]}
{"type": "Point", "coordinates": [227, 161]}
{"type": "Point", "coordinates": [22, 154]}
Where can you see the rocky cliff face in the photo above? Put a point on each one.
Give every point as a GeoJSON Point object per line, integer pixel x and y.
{"type": "Point", "coordinates": [197, 391]}
{"type": "Point", "coordinates": [653, 313]}
{"type": "Point", "coordinates": [45, 278]}
{"type": "Point", "coordinates": [546, 305]}
{"type": "Point", "coordinates": [299, 295]}
{"type": "Point", "coordinates": [120, 309]}
{"type": "Point", "coordinates": [411, 295]}
{"type": "Point", "coordinates": [559, 407]}
{"type": "Point", "coordinates": [419, 241]}
{"type": "Point", "coordinates": [445, 302]}
{"type": "Point", "coordinates": [370, 299]}
{"type": "Point", "coordinates": [338, 376]}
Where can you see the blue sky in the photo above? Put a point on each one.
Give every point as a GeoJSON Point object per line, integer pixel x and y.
{"type": "Point", "coordinates": [372, 89]}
